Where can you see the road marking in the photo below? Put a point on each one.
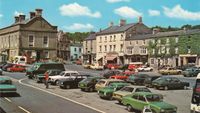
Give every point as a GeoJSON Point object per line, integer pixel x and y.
{"type": "Point", "coordinates": [8, 99]}
{"type": "Point", "coordinates": [24, 109]}
{"type": "Point", "coordinates": [20, 81]}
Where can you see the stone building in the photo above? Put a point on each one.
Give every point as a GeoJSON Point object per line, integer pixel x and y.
{"type": "Point", "coordinates": [63, 46]}
{"type": "Point", "coordinates": [75, 51]}
{"type": "Point", "coordinates": [111, 42]}
{"type": "Point", "coordinates": [33, 37]}
{"type": "Point", "coordinates": [89, 49]}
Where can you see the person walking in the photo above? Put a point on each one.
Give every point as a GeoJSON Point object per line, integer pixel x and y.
{"type": "Point", "coordinates": [46, 80]}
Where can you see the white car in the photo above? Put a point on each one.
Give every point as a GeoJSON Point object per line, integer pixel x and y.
{"type": "Point", "coordinates": [63, 75]}
{"type": "Point", "coordinates": [145, 68]}
{"type": "Point", "coordinates": [97, 66]}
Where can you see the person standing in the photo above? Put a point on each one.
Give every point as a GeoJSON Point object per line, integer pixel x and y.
{"type": "Point", "coordinates": [46, 79]}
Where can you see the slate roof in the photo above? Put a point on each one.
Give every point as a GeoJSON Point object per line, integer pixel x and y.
{"type": "Point", "coordinates": [164, 34]}
{"type": "Point", "coordinates": [92, 36]}
{"type": "Point", "coordinates": [116, 29]}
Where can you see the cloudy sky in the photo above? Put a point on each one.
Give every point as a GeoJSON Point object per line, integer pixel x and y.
{"type": "Point", "coordinates": [87, 15]}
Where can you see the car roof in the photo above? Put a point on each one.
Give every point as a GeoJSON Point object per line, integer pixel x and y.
{"type": "Point", "coordinates": [111, 80]}
{"type": "Point", "coordinates": [132, 86]}
{"type": "Point", "coordinates": [70, 71]}
{"type": "Point", "coordinates": [145, 93]}
{"type": "Point", "coordinates": [120, 83]}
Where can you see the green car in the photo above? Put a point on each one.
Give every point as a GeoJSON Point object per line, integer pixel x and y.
{"type": "Point", "coordinates": [191, 72]}
{"type": "Point", "coordinates": [6, 86]}
{"type": "Point", "coordinates": [107, 92]}
{"type": "Point", "coordinates": [88, 84]}
{"type": "Point", "coordinates": [138, 101]}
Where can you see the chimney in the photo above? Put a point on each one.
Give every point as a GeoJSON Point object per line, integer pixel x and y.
{"type": "Point", "coordinates": [16, 19]}
{"type": "Point", "coordinates": [38, 12]}
{"type": "Point", "coordinates": [111, 24]}
{"type": "Point", "coordinates": [32, 15]}
{"type": "Point", "coordinates": [140, 19]}
{"type": "Point", "coordinates": [21, 18]}
{"type": "Point", "coordinates": [156, 30]}
{"type": "Point", "coordinates": [122, 22]}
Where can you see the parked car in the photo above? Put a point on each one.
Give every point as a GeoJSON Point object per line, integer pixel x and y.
{"type": "Point", "coordinates": [148, 81]}
{"type": "Point", "coordinates": [122, 75]}
{"type": "Point", "coordinates": [184, 67]}
{"type": "Point", "coordinates": [109, 73]}
{"type": "Point", "coordinates": [2, 64]}
{"type": "Point", "coordinates": [112, 66]}
{"type": "Point", "coordinates": [5, 67]}
{"type": "Point", "coordinates": [6, 86]}
{"type": "Point", "coordinates": [106, 82]}
{"type": "Point", "coordinates": [52, 72]}
{"type": "Point", "coordinates": [17, 68]}
{"type": "Point", "coordinates": [78, 62]}
{"type": "Point", "coordinates": [137, 79]}
{"type": "Point", "coordinates": [107, 92]}
{"type": "Point", "coordinates": [72, 82]}
{"type": "Point", "coordinates": [134, 65]}
{"type": "Point", "coordinates": [117, 95]}
{"type": "Point", "coordinates": [124, 67]}
{"type": "Point", "coordinates": [145, 68]}
{"type": "Point", "coordinates": [42, 67]}
{"type": "Point", "coordinates": [86, 66]}
{"type": "Point", "coordinates": [1, 72]}
{"type": "Point", "coordinates": [138, 101]}
{"type": "Point", "coordinates": [63, 75]}
{"type": "Point", "coordinates": [191, 72]}
{"type": "Point", "coordinates": [97, 66]}
{"type": "Point", "coordinates": [88, 84]}
{"type": "Point", "coordinates": [169, 83]}
{"type": "Point", "coordinates": [170, 71]}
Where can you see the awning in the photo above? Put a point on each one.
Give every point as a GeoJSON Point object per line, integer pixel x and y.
{"type": "Point", "coordinates": [100, 58]}
{"type": "Point", "coordinates": [110, 57]}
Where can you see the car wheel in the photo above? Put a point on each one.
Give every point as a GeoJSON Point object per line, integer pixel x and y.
{"type": "Point", "coordinates": [129, 108]}
{"type": "Point", "coordinates": [185, 87]}
{"type": "Point", "coordinates": [166, 88]}
{"type": "Point", "coordinates": [67, 86]}
{"type": "Point", "coordinates": [151, 69]}
{"type": "Point", "coordinates": [179, 73]}
{"type": "Point", "coordinates": [119, 102]}
{"type": "Point", "coordinates": [57, 82]}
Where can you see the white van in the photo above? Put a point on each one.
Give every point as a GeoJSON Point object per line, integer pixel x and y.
{"type": "Point", "coordinates": [20, 60]}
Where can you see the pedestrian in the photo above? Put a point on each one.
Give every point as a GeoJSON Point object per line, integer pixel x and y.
{"type": "Point", "coordinates": [46, 79]}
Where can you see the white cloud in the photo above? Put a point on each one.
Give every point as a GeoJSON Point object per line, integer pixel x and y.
{"type": "Point", "coordinates": [16, 13]}
{"type": "Point", "coordinates": [79, 27]}
{"type": "Point", "coordinates": [180, 13]}
{"type": "Point", "coordinates": [115, 1]}
{"type": "Point", "coordinates": [153, 12]}
{"type": "Point", "coordinates": [1, 15]}
{"type": "Point", "coordinates": [75, 9]}
{"type": "Point", "coordinates": [127, 12]}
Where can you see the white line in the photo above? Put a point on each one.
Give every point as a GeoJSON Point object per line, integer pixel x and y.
{"type": "Point", "coordinates": [20, 81]}
{"type": "Point", "coordinates": [24, 109]}
{"type": "Point", "coordinates": [8, 99]}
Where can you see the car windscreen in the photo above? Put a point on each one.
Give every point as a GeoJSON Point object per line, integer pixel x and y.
{"type": "Point", "coordinates": [5, 82]}
{"type": "Point", "coordinates": [154, 98]}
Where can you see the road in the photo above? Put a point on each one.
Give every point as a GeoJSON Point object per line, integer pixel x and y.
{"type": "Point", "coordinates": [36, 99]}
{"type": "Point", "coordinates": [31, 100]}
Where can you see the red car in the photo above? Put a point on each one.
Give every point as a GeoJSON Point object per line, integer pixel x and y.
{"type": "Point", "coordinates": [78, 62]}
{"type": "Point", "coordinates": [112, 66]}
{"type": "Point", "coordinates": [17, 68]}
{"type": "Point", "coordinates": [123, 75]}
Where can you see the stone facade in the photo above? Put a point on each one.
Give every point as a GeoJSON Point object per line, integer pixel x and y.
{"type": "Point", "coordinates": [76, 51]}
{"type": "Point", "coordinates": [33, 37]}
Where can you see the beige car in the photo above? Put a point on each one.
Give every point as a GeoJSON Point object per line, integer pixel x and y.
{"type": "Point", "coordinates": [105, 82]}
{"type": "Point", "coordinates": [170, 71]}
{"type": "Point", "coordinates": [97, 66]}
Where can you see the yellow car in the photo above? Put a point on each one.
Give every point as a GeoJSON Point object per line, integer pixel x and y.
{"type": "Point", "coordinates": [86, 66]}
{"type": "Point", "coordinates": [170, 71]}
{"type": "Point", "coordinates": [106, 82]}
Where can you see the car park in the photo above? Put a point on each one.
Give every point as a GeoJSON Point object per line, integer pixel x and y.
{"type": "Point", "coordinates": [170, 71]}
{"type": "Point", "coordinates": [117, 95]}
{"type": "Point", "coordinates": [148, 81]}
{"type": "Point", "coordinates": [88, 84]}
{"type": "Point", "coordinates": [191, 72]}
{"type": "Point", "coordinates": [6, 86]}
{"type": "Point", "coordinates": [71, 82]}
{"type": "Point", "coordinates": [42, 67]}
{"type": "Point", "coordinates": [138, 101]}
{"type": "Point", "coordinates": [137, 79]}
{"type": "Point", "coordinates": [53, 72]}
{"type": "Point", "coordinates": [107, 92]}
{"type": "Point", "coordinates": [109, 73]}
{"type": "Point", "coordinates": [169, 83]}
{"type": "Point", "coordinates": [106, 82]}
{"type": "Point", "coordinates": [17, 68]}
{"type": "Point", "coordinates": [63, 75]}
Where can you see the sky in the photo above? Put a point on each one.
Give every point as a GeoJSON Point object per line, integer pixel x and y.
{"type": "Point", "coordinates": [93, 15]}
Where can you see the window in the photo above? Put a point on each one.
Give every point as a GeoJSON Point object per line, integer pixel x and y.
{"type": "Point", "coordinates": [105, 48]}
{"type": "Point", "coordinates": [189, 38]}
{"type": "Point", "coordinates": [159, 41]}
{"type": "Point", "coordinates": [46, 54]}
{"type": "Point", "coordinates": [80, 50]}
{"type": "Point", "coordinates": [114, 38]}
{"type": "Point", "coordinates": [105, 39]}
{"type": "Point", "coordinates": [45, 41]}
{"type": "Point", "coordinates": [100, 39]}
{"type": "Point", "coordinates": [143, 41]}
{"type": "Point", "coordinates": [130, 43]}
{"type": "Point", "coordinates": [75, 49]}
{"type": "Point", "coordinates": [176, 39]}
{"type": "Point", "coordinates": [152, 61]}
{"type": "Point", "coordinates": [189, 49]}
{"type": "Point", "coordinates": [141, 98]}
{"type": "Point", "coordinates": [114, 46]}
{"type": "Point", "coordinates": [122, 36]}
{"type": "Point", "coordinates": [121, 47]}
{"type": "Point", "coordinates": [110, 38]}
{"type": "Point", "coordinates": [136, 42]}
{"type": "Point", "coordinates": [176, 50]}
{"type": "Point", "coordinates": [143, 50]}
{"type": "Point", "coordinates": [153, 51]}
{"type": "Point", "coordinates": [99, 48]}
{"type": "Point", "coordinates": [31, 41]}
{"type": "Point", "coordinates": [110, 47]}
{"type": "Point", "coordinates": [167, 40]}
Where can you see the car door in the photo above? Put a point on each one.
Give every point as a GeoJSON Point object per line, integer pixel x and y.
{"type": "Point", "coordinates": [174, 83]}
{"type": "Point", "coordinates": [141, 102]}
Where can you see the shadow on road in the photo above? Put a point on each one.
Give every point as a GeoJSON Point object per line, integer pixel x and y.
{"type": "Point", "coordinates": [10, 95]}
{"type": "Point", "coordinates": [1, 110]}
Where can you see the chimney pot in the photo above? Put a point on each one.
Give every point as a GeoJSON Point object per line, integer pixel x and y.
{"type": "Point", "coordinates": [32, 15]}
{"type": "Point", "coordinates": [140, 19]}
{"type": "Point", "coordinates": [21, 18]}
{"type": "Point", "coordinates": [111, 24]}
{"type": "Point", "coordinates": [16, 19]}
{"type": "Point", "coordinates": [38, 12]}
{"type": "Point", "coordinates": [122, 22]}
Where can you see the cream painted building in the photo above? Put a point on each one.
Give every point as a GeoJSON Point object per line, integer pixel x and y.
{"type": "Point", "coordinates": [111, 42]}
{"type": "Point", "coordinates": [33, 37]}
